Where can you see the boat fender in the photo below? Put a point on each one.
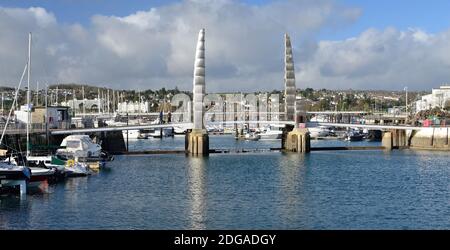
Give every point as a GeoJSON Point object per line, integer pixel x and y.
{"type": "Point", "coordinates": [70, 162]}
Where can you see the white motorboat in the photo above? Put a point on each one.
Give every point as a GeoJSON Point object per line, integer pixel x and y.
{"type": "Point", "coordinates": [80, 146]}
{"type": "Point", "coordinates": [179, 130]}
{"type": "Point", "coordinates": [252, 136]}
{"type": "Point", "coordinates": [78, 169]}
{"type": "Point", "coordinates": [159, 133]}
{"type": "Point", "coordinates": [273, 132]}
{"type": "Point", "coordinates": [133, 134]}
{"type": "Point", "coordinates": [320, 131]}
{"type": "Point", "coordinates": [72, 168]}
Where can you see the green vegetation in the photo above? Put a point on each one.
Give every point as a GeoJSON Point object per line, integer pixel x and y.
{"type": "Point", "coordinates": [319, 100]}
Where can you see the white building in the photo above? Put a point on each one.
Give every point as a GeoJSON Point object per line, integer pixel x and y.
{"type": "Point", "coordinates": [134, 107]}
{"type": "Point", "coordinates": [53, 116]}
{"type": "Point", "coordinates": [438, 98]}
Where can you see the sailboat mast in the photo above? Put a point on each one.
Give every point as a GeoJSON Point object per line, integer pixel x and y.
{"type": "Point", "coordinates": [84, 108]}
{"type": "Point", "coordinates": [37, 93]}
{"type": "Point", "coordinates": [28, 95]}
{"type": "Point", "coordinates": [99, 103]}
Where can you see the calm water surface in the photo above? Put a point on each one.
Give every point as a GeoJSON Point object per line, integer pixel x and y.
{"type": "Point", "coordinates": [323, 190]}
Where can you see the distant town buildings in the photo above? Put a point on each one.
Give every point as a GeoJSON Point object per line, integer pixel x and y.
{"type": "Point", "coordinates": [134, 107]}
{"type": "Point", "coordinates": [438, 98]}
{"type": "Point", "coordinates": [86, 106]}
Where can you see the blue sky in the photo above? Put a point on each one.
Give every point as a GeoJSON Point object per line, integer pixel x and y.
{"type": "Point", "coordinates": [431, 16]}
{"type": "Point", "coordinates": [80, 11]}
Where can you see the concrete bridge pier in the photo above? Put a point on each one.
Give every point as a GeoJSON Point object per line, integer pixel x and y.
{"type": "Point", "coordinates": [298, 140]}
{"type": "Point", "coordinates": [394, 138]}
{"type": "Point", "coordinates": [197, 140]}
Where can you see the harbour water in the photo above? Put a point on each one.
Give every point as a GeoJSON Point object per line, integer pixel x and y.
{"type": "Point", "coordinates": [402, 189]}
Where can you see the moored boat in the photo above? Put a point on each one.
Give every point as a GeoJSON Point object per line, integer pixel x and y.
{"type": "Point", "coordinates": [39, 175]}
{"type": "Point", "coordinates": [354, 136]}
{"type": "Point", "coordinates": [273, 132]}
{"type": "Point", "coordinates": [252, 137]}
{"type": "Point", "coordinates": [72, 167]}
{"type": "Point", "coordinates": [82, 147]}
{"type": "Point", "coordinates": [320, 131]}
{"type": "Point", "coordinates": [12, 176]}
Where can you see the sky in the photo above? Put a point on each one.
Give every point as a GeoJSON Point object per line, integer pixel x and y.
{"type": "Point", "coordinates": [338, 44]}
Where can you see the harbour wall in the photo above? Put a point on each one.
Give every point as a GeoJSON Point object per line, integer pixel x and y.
{"type": "Point", "coordinates": [112, 142]}
{"type": "Point", "coordinates": [430, 138]}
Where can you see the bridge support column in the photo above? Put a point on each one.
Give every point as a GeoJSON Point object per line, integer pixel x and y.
{"type": "Point", "coordinates": [395, 138]}
{"type": "Point", "coordinates": [298, 140]}
{"type": "Point", "coordinates": [387, 140]}
{"type": "Point", "coordinates": [400, 139]}
{"type": "Point", "coordinates": [197, 142]}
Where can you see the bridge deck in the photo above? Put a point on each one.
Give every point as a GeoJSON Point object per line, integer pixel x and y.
{"type": "Point", "coordinates": [189, 125]}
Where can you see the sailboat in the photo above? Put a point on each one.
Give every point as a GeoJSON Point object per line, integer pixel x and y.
{"type": "Point", "coordinates": [46, 168]}
{"type": "Point", "coordinates": [11, 173]}
{"type": "Point", "coordinates": [38, 174]}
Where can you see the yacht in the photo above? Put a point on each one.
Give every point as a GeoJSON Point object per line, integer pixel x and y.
{"type": "Point", "coordinates": [159, 133]}
{"type": "Point", "coordinates": [9, 171]}
{"type": "Point", "coordinates": [374, 135]}
{"type": "Point", "coordinates": [180, 130]}
{"type": "Point", "coordinates": [39, 173]}
{"type": "Point", "coordinates": [12, 175]}
{"type": "Point", "coordinates": [72, 167]}
{"type": "Point", "coordinates": [44, 162]}
{"type": "Point", "coordinates": [320, 131]}
{"type": "Point", "coordinates": [252, 136]}
{"type": "Point", "coordinates": [273, 132]}
{"type": "Point", "coordinates": [354, 136]}
{"type": "Point", "coordinates": [133, 134]}
{"type": "Point", "coordinates": [83, 148]}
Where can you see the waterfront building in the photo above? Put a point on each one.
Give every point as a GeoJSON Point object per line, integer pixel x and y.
{"type": "Point", "coordinates": [438, 98]}
{"type": "Point", "coordinates": [56, 117]}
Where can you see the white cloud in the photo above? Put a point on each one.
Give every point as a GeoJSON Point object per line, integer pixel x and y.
{"type": "Point", "coordinates": [244, 48]}
{"type": "Point", "coordinates": [388, 59]}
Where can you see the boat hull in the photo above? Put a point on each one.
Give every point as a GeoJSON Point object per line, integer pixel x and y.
{"type": "Point", "coordinates": [13, 174]}
{"type": "Point", "coordinates": [270, 136]}
{"type": "Point", "coordinates": [41, 174]}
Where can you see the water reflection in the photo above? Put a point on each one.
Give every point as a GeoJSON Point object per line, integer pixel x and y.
{"type": "Point", "coordinates": [72, 187]}
{"type": "Point", "coordinates": [291, 181]}
{"type": "Point", "coordinates": [11, 203]}
{"type": "Point", "coordinates": [197, 192]}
